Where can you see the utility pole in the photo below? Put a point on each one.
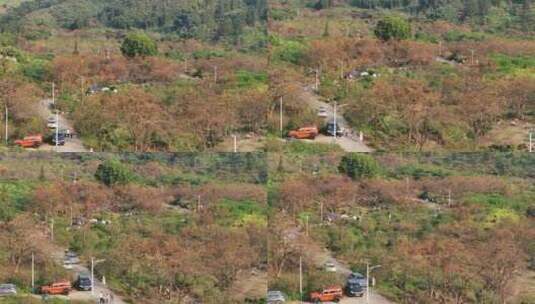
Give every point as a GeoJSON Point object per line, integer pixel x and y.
{"type": "Point", "coordinates": [7, 118]}
{"type": "Point", "coordinates": [317, 80]}
{"type": "Point", "coordinates": [473, 52]}
{"type": "Point", "coordinates": [367, 283]}
{"type": "Point", "coordinates": [215, 74]}
{"type": "Point", "coordinates": [33, 271]}
{"type": "Point", "coordinates": [301, 278]}
{"type": "Point", "coordinates": [368, 270]}
{"type": "Point", "coordinates": [335, 104]}
{"type": "Point", "coordinates": [57, 129]}
{"type": "Point", "coordinates": [235, 144]}
{"type": "Point", "coordinates": [280, 114]}
{"type": "Point", "coordinates": [92, 276]}
{"type": "Point", "coordinates": [53, 93]}
{"type": "Point", "coordinates": [530, 142]}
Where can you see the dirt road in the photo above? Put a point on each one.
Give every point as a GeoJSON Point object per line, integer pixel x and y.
{"type": "Point", "coordinates": [71, 144]}
{"type": "Point", "coordinates": [350, 142]}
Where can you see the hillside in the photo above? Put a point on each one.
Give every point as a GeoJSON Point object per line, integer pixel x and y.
{"type": "Point", "coordinates": [408, 78]}
{"type": "Point", "coordinates": [443, 227]}
{"type": "Point", "coordinates": [187, 228]}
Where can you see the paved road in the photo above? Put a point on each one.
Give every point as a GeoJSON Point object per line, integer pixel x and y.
{"type": "Point", "coordinates": [350, 143]}
{"type": "Point", "coordinates": [71, 144]}
{"type": "Point", "coordinates": [320, 256]}
{"type": "Point", "coordinates": [86, 295]}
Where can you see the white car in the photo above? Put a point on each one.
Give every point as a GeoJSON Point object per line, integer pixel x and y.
{"type": "Point", "coordinates": [8, 290]}
{"type": "Point", "coordinates": [322, 112]}
{"type": "Point", "coordinates": [52, 123]}
{"type": "Point", "coordinates": [330, 267]}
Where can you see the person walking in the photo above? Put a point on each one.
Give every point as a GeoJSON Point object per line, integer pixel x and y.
{"type": "Point", "coordinates": [101, 299]}
{"type": "Point", "coordinates": [111, 298]}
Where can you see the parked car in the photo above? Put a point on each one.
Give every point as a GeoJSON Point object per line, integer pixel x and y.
{"type": "Point", "coordinates": [275, 297]}
{"type": "Point", "coordinates": [33, 141]}
{"type": "Point", "coordinates": [304, 133]}
{"type": "Point", "coordinates": [329, 267]}
{"type": "Point", "coordinates": [57, 288]}
{"type": "Point", "coordinates": [70, 259]}
{"type": "Point", "coordinates": [8, 290]}
{"type": "Point", "coordinates": [60, 139]}
{"type": "Point", "coordinates": [322, 112]}
{"type": "Point", "coordinates": [353, 289]}
{"type": "Point", "coordinates": [52, 123]}
{"type": "Point", "coordinates": [83, 282]}
{"type": "Point", "coordinates": [73, 256]}
{"type": "Point", "coordinates": [333, 293]}
{"type": "Point", "coordinates": [359, 278]}
{"type": "Point", "coordinates": [330, 129]}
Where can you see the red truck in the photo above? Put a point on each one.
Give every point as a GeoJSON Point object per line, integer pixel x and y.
{"type": "Point", "coordinates": [304, 133]}
{"type": "Point", "coordinates": [57, 288]}
{"type": "Point", "coordinates": [33, 141]}
{"type": "Point", "coordinates": [329, 294]}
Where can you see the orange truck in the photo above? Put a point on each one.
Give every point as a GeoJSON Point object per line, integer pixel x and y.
{"type": "Point", "coordinates": [33, 141]}
{"type": "Point", "coordinates": [329, 294]}
{"type": "Point", "coordinates": [304, 133]}
{"type": "Point", "coordinates": [57, 288]}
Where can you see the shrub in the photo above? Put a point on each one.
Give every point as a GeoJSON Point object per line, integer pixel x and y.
{"type": "Point", "coordinates": [112, 172]}
{"type": "Point", "coordinates": [359, 165]}
{"type": "Point", "coordinates": [393, 27]}
{"type": "Point", "coordinates": [138, 44]}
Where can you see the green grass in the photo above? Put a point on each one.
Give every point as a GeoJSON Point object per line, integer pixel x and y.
{"type": "Point", "coordinates": [516, 203]}
{"type": "Point", "coordinates": [306, 148]}
{"type": "Point", "coordinates": [239, 213]}
{"type": "Point", "coordinates": [13, 198]}
{"type": "Point", "coordinates": [418, 171]}
{"type": "Point", "coordinates": [511, 65]}
{"type": "Point", "coordinates": [248, 79]}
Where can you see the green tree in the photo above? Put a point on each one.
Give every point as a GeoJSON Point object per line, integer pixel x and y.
{"type": "Point", "coordinates": [113, 172]}
{"type": "Point", "coordinates": [138, 44]}
{"type": "Point", "coordinates": [359, 165]}
{"type": "Point", "coordinates": [393, 27]}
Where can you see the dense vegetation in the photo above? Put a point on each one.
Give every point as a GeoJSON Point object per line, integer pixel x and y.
{"type": "Point", "coordinates": [445, 228]}
{"type": "Point", "coordinates": [171, 228]}
{"type": "Point", "coordinates": [212, 20]}
{"type": "Point", "coordinates": [407, 77]}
